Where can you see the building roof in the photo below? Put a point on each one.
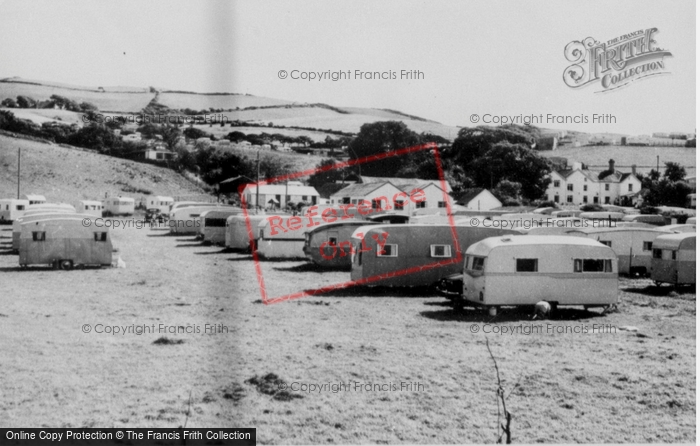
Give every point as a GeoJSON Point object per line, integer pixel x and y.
{"type": "Point", "coordinates": [398, 182]}
{"type": "Point", "coordinates": [421, 186]}
{"type": "Point", "coordinates": [282, 189]}
{"type": "Point", "coordinates": [329, 189]}
{"type": "Point", "coordinates": [360, 190]}
{"type": "Point", "coordinates": [469, 194]}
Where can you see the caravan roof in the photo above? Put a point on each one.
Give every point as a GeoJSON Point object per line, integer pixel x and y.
{"type": "Point", "coordinates": [485, 246]}
{"type": "Point", "coordinates": [607, 229]}
{"type": "Point", "coordinates": [675, 241]}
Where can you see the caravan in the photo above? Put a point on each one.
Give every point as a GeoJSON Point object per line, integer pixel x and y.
{"type": "Point", "coordinates": [35, 199]}
{"type": "Point", "coordinates": [330, 245]}
{"type": "Point", "coordinates": [213, 225]}
{"type": "Point", "coordinates": [524, 270]}
{"type": "Point", "coordinates": [237, 237]}
{"type": "Point", "coordinates": [412, 254]}
{"type": "Point", "coordinates": [11, 209]}
{"type": "Point", "coordinates": [89, 207]}
{"type": "Point", "coordinates": [282, 236]}
{"type": "Point", "coordinates": [38, 214]}
{"type": "Point", "coordinates": [631, 245]}
{"type": "Point", "coordinates": [118, 206]}
{"type": "Point", "coordinates": [607, 216]}
{"type": "Point", "coordinates": [163, 204]}
{"type": "Point", "coordinates": [673, 259]}
{"type": "Point", "coordinates": [64, 242]}
{"type": "Point", "coordinates": [185, 219]}
{"type": "Point", "coordinates": [652, 219]}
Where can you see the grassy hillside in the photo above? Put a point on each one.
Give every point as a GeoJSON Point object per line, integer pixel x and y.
{"type": "Point", "coordinates": [67, 174]}
{"type": "Point", "coordinates": [626, 156]}
{"type": "Point", "coordinates": [228, 101]}
{"type": "Point", "coordinates": [255, 109]}
{"type": "Point", "coordinates": [132, 102]}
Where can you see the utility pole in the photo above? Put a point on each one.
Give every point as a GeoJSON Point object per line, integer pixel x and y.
{"type": "Point", "coordinates": [286, 193]}
{"type": "Point", "coordinates": [19, 167]}
{"type": "Point", "coordinates": [257, 185]}
{"type": "Point", "coordinates": [657, 163]}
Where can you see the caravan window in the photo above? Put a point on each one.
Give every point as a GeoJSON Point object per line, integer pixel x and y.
{"type": "Point", "coordinates": [526, 265]}
{"type": "Point", "coordinates": [20, 207]}
{"type": "Point", "coordinates": [477, 264]}
{"type": "Point", "coordinates": [100, 236]}
{"type": "Point", "coordinates": [592, 266]}
{"type": "Point", "coordinates": [389, 251]}
{"type": "Point", "coordinates": [440, 251]}
{"type": "Point", "coordinates": [646, 246]}
{"type": "Point", "coordinates": [38, 236]}
{"type": "Point", "coordinates": [656, 253]}
{"type": "Point", "coordinates": [606, 242]}
{"type": "Point", "coordinates": [332, 241]}
{"type": "Point", "coordinates": [673, 255]}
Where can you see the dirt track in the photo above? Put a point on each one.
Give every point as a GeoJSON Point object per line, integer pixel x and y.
{"type": "Point", "coordinates": [571, 387]}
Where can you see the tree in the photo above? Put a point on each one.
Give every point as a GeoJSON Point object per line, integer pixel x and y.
{"type": "Point", "coordinates": [9, 102]}
{"type": "Point", "coordinates": [674, 172]}
{"type": "Point", "coordinates": [382, 137]}
{"type": "Point", "coordinates": [320, 178]}
{"type": "Point", "coordinates": [515, 163]}
{"type": "Point", "coordinates": [25, 102]}
{"type": "Point", "coordinates": [87, 106]}
{"type": "Point", "coordinates": [508, 191]}
{"type": "Point", "coordinates": [472, 143]}
{"type": "Point", "coordinates": [235, 136]}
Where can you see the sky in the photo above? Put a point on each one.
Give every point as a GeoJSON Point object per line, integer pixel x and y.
{"type": "Point", "coordinates": [499, 58]}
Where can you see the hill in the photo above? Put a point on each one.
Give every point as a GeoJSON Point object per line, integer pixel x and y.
{"type": "Point", "coordinates": [241, 107]}
{"type": "Point", "coordinates": [65, 174]}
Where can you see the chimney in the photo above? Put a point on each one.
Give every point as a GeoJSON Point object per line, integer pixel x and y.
{"type": "Point", "coordinates": [611, 164]}
{"type": "Point", "coordinates": [634, 169]}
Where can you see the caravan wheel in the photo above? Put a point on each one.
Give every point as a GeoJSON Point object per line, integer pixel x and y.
{"type": "Point", "coordinates": [66, 265]}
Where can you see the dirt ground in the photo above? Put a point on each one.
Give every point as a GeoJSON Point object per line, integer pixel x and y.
{"type": "Point", "coordinates": [570, 382]}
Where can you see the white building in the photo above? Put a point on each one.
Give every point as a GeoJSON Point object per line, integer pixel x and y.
{"type": "Point", "coordinates": [381, 194]}
{"type": "Point", "coordinates": [578, 186]}
{"type": "Point", "coordinates": [419, 197]}
{"type": "Point", "coordinates": [479, 200]}
{"type": "Point", "coordinates": [158, 154]}
{"type": "Point", "coordinates": [278, 195]}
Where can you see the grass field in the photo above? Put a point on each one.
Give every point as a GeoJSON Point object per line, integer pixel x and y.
{"type": "Point", "coordinates": [112, 101]}
{"type": "Point", "coordinates": [628, 387]}
{"type": "Point", "coordinates": [626, 156]}
{"type": "Point", "coordinates": [322, 118]}
{"type": "Point", "coordinates": [223, 101]}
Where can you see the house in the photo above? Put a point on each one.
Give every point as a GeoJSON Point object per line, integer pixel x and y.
{"type": "Point", "coordinates": [380, 195]}
{"type": "Point", "coordinates": [429, 198]}
{"type": "Point", "coordinates": [398, 181]}
{"type": "Point", "coordinates": [578, 185]}
{"type": "Point", "coordinates": [278, 195]}
{"type": "Point", "coordinates": [158, 153]}
{"type": "Point", "coordinates": [478, 200]}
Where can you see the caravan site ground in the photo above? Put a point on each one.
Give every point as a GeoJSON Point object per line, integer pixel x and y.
{"type": "Point", "coordinates": [431, 378]}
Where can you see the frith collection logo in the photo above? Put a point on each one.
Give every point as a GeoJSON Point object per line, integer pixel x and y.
{"type": "Point", "coordinates": [616, 63]}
